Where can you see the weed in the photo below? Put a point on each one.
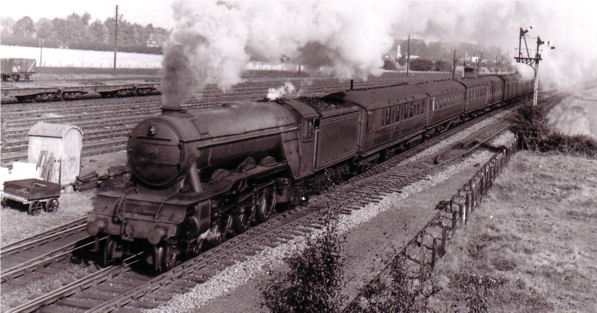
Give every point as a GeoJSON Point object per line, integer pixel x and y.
{"type": "Point", "coordinates": [476, 290]}
{"type": "Point", "coordinates": [313, 282]}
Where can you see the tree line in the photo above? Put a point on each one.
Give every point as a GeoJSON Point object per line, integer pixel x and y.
{"type": "Point", "coordinates": [80, 32]}
{"type": "Point", "coordinates": [438, 56]}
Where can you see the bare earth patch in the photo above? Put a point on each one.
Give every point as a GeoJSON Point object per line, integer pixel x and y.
{"type": "Point", "coordinates": [16, 224]}
{"type": "Point", "coordinates": [530, 247]}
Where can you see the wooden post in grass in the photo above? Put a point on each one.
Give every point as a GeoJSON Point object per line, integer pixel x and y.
{"type": "Point", "coordinates": [444, 239]}
{"type": "Point", "coordinates": [434, 253]}
{"type": "Point", "coordinates": [454, 222]}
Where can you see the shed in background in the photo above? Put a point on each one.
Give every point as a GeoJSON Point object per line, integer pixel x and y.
{"type": "Point", "coordinates": [56, 149]}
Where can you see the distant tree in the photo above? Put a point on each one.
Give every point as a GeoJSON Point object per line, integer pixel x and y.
{"type": "Point", "coordinates": [76, 27]}
{"type": "Point", "coordinates": [77, 32]}
{"type": "Point", "coordinates": [127, 34]}
{"type": "Point", "coordinates": [85, 18]}
{"type": "Point", "coordinates": [109, 25]}
{"type": "Point", "coordinates": [421, 65]}
{"type": "Point", "coordinates": [24, 28]}
{"type": "Point", "coordinates": [45, 29]}
{"type": "Point", "coordinates": [97, 32]}
{"type": "Point", "coordinates": [61, 32]}
{"type": "Point", "coordinates": [417, 47]}
{"type": "Point", "coordinates": [442, 66]}
{"type": "Point", "coordinates": [6, 24]}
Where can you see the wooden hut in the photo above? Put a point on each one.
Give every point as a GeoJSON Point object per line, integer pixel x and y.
{"type": "Point", "coordinates": [56, 149]}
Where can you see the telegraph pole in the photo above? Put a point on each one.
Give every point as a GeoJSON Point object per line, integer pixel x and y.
{"type": "Point", "coordinates": [41, 48]}
{"type": "Point", "coordinates": [115, 36]}
{"type": "Point", "coordinates": [454, 65]}
{"type": "Point", "coordinates": [407, 54]}
{"type": "Point", "coordinates": [479, 63]}
{"type": "Point", "coordinates": [533, 62]}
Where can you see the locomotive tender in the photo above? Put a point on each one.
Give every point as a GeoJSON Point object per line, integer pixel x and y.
{"type": "Point", "coordinates": [201, 176]}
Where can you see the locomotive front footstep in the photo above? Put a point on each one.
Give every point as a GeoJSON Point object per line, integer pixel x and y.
{"type": "Point", "coordinates": [35, 194]}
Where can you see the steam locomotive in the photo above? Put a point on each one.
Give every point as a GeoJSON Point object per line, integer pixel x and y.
{"type": "Point", "coordinates": [201, 176]}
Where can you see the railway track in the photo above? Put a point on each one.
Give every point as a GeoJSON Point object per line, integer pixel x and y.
{"type": "Point", "coordinates": [97, 277]}
{"type": "Point", "coordinates": [41, 250]}
{"type": "Point", "coordinates": [132, 290]}
{"type": "Point", "coordinates": [44, 237]}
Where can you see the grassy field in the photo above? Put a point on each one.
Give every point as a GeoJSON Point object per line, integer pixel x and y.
{"type": "Point", "coordinates": [530, 247]}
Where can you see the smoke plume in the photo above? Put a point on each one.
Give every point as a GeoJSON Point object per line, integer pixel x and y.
{"type": "Point", "coordinates": [276, 93]}
{"type": "Point", "coordinates": [214, 40]}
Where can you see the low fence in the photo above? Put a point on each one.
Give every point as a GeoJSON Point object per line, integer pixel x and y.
{"type": "Point", "coordinates": [422, 253]}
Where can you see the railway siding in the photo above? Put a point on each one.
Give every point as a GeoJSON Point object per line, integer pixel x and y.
{"type": "Point", "coordinates": [95, 115]}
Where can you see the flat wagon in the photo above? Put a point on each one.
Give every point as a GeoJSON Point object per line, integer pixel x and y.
{"type": "Point", "coordinates": [34, 193]}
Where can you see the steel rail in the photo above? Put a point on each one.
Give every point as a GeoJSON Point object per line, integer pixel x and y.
{"type": "Point", "coordinates": [45, 259]}
{"type": "Point", "coordinates": [43, 237]}
{"type": "Point", "coordinates": [80, 284]}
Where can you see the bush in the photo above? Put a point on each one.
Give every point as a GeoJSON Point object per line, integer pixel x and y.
{"type": "Point", "coordinates": [534, 135]}
{"type": "Point", "coordinates": [313, 282]}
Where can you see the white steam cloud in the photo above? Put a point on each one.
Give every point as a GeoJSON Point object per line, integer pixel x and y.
{"type": "Point", "coordinates": [276, 93]}
{"type": "Point", "coordinates": [576, 115]}
{"type": "Point", "coordinates": [214, 40]}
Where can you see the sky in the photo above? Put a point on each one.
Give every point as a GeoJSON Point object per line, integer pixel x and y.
{"type": "Point", "coordinates": [143, 12]}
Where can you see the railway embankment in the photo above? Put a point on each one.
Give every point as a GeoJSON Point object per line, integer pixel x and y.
{"type": "Point", "coordinates": [529, 247]}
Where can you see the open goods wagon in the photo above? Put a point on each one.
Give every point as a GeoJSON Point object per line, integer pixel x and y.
{"type": "Point", "coordinates": [16, 69]}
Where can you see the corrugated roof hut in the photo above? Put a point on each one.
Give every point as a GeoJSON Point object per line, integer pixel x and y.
{"type": "Point", "coordinates": [56, 149]}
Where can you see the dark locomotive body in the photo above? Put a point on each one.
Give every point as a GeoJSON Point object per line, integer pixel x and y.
{"type": "Point", "coordinates": [203, 175]}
